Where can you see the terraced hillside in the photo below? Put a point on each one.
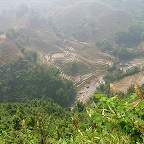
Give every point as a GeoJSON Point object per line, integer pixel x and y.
{"type": "Point", "coordinates": [32, 31]}
{"type": "Point", "coordinates": [91, 62]}
{"type": "Point", "coordinates": [61, 51]}
{"type": "Point", "coordinates": [41, 39]}
{"type": "Point", "coordinates": [55, 32]}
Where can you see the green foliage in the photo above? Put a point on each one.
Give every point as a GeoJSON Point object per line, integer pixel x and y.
{"type": "Point", "coordinates": [79, 107]}
{"type": "Point", "coordinates": [142, 87]}
{"type": "Point", "coordinates": [109, 120]}
{"type": "Point", "coordinates": [104, 46]}
{"type": "Point", "coordinates": [30, 122]}
{"type": "Point", "coordinates": [16, 123]}
{"type": "Point", "coordinates": [81, 32]}
{"type": "Point", "coordinates": [131, 89]}
{"type": "Point", "coordinates": [122, 53]}
{"type": "Point", "coordinates": [42, 119]}
{"type": "Point", "coordinates": [130, 37]}
{"type": "Point", "coordinates": [74, 69]}
{"type": "Point", "coordinates": [132, 71]}
{"type": "Point", "coordinates": [115, 75]}
{"type": "Point", "coordinates": [20, 81]}
{"type": "Point", "coordinates": [118, 74]}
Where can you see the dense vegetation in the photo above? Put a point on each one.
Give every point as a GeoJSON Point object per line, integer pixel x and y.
{"type": "Point", "coordinates": [37, 106]}
{"type": "Point", "coordinates": [131, 37]}
{"type": "Point", "coordinates": [32, 116]}
{"type": "Point", "coordinates": [29, 113]}
{"type": "Point", "coordinates": [22, 80]}
{"type": "Point", "coordinates": [110, 120]}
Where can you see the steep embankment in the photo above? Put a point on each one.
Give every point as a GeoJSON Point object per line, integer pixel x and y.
{"type": "Point", "coordinates": [126, 82]}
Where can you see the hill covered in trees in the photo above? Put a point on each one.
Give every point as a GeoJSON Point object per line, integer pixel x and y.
{"type": "Point", "coordinates": [53, 53]}
{"type": "Point", "coordinates": [22, 80]}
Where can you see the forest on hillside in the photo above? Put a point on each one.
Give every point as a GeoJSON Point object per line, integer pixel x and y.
{"type": "Point", "coordinates": [22, 81]}
{"type": "Point", "coordinates": [72, 72]}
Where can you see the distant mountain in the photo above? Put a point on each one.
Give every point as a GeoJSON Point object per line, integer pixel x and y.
{"type": "Point", "coordinates": [104, 19]}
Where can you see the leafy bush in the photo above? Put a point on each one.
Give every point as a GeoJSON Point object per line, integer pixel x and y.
{"type": "Point", "coordinates": [109, 120]}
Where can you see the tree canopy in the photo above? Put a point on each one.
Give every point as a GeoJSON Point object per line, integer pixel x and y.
{"type": "Point", "coordinates": [34, 82]}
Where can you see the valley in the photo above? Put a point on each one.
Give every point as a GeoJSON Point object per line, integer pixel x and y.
{"type": "Point", "coordinates": [65, 35]}
{"type": "Point", "coordinates": [71, 71]}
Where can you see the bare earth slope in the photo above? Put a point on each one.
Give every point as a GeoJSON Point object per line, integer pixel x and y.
{"type": "Point", "coordinates": [125, 83]}
{"type": "Point", "coordinates": [8, 50]}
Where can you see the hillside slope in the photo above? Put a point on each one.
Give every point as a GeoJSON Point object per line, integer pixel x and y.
{"type": "Point", "coordinates": [104, 19]}
{"type": "Point", "coordinates": [125, 83]}
{"type": "Point", "coordinates": [9, 51]}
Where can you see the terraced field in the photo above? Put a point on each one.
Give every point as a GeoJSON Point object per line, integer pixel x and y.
{"type": "Point", "coordinates": [41, 40]}
{"type": "Point", "coordinates": [91, 62]}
